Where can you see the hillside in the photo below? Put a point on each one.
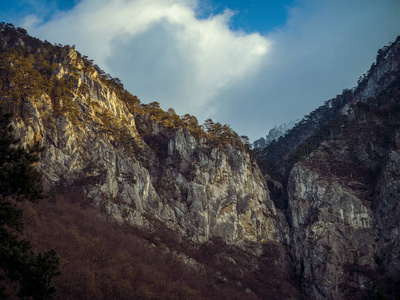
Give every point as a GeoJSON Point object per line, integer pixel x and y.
{"type": "Point", "coordinates": [375, 82]}
{"type": "Point", "coordinates": [186, 188]}
{"type": "Point", "coordinates": [143, 203]}
{"type": "Point", "coordinates": [338, 173]}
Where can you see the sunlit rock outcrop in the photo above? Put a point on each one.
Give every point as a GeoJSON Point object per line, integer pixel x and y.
{"type": "Point", "coordinates": [199, 189]}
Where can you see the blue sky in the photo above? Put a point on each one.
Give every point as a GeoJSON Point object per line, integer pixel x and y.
{"type": "Point", "coordinates": [262, 16]}
{"type": "Point", "coordinates": [252, 64]}
{"type": "Point", "coordinates": [251, 15]}
{"type": "Point", "coordinates": [15, 9]}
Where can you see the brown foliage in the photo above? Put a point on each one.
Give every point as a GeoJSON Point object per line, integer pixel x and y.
{"type": "Point", "coordinates": [100, 260]}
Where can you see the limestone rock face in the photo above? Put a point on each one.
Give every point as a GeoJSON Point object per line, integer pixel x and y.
{"type": "Point", "coordinates": [341, 226]}
{"type": "Point", "coordinates": [381, 74]}
{"type": "Point", "coordinates": [388, 212]}
{"type": "Point", "coordinates": [200, 190]}
{"type": "Point", "coordinates": [332, 228]}
{"type": "Point", "coordinates": [343, 197]}
{"type": "Point", "coordinates": [337, 178]}
{"type": "Point", "coordinates": [220, 191]}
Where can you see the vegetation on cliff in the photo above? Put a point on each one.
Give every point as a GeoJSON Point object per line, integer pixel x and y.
{"type": "Point", "coordinates": [22, 271]}
{"type": "Point", "coordinates": [138, 150]}
{"type": "Point", "coordinates": [28, 68]}
{"type": "Point", "coordinates": [336, 174]}
{"type": "Point", "coordinates": [188, 184]}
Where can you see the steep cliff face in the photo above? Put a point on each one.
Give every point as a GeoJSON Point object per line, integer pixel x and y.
{"type": "Point", "coordinates": [219, 192]}
{"type": "Point", "coordinates": [343, 194]}
{"type": "Point", "coordinates": [332, 229]}
{"type": "Point", "coordinates": [381, 74]}
{"type": "Point", "coordinates": [345, 227]}
{"type": "Point", "coordinates": [146, 168]}
{"type": "Point", "coordinates": [92, 144]}
{"type": "Point", "coordinates": [338, 169]}
{"type": "Point", "coordinates": [378, 78]}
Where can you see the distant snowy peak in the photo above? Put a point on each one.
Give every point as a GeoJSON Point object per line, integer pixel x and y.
{"type": "Point", "coordinates": [274, 134]}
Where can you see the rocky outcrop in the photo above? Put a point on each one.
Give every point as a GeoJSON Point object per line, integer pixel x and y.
{"type": "Point", "coordinates": [200, 190]}
{"type": "Point", "coordinates": [332, 228]}
{"type": "Point", "coordinates": [378, 79]}
{"type": "Point", "coordinates": [381, 74]}
{"type": "Point", "coordinates": [345, 230]}
{"type": "Point", "coordinates": [219, 192]}
{"type": "Point", "coordinates": [388, 212]}
{"type": "Point", "coordinates": [343, 196]}
{"type": "Point", "coordinates": [143, 167]}
{"type": "Point", "coordinates": [338, 169]}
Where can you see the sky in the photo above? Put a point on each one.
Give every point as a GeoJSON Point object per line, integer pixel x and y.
{"type": "Point", "coordinates": [252, 64]}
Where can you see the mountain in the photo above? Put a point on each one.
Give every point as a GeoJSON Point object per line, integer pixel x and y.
{"type": "Point", "coordinates": [144, 203]}
{"type": "Point", "coordinates": [142, 168]}
{"type": "Point", "coordinates": [274, 134]}
{"type": "Point", "coordinates": [375, 82]}
{"type": "Point", "coordinates": [338, 171]}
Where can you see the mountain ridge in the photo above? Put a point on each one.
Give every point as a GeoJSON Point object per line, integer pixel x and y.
{"type": "Point", "coordinates": [306, 224]}
{"type": "Point", "coordinates": [138, 165]}
{"type": "Point", "coordinates": [378, 77]}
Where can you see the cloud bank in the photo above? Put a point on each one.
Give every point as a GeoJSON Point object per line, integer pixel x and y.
{"type": "Point", "coordinates": [159, 49]}
{"type": "Point", "coordinates": [162, 51]}
{"type": "Point", "coordinates": [324, 47]}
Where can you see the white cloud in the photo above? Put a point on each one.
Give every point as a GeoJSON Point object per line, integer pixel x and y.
{"type": "Point", "coordinates": [197, 59]}
{"type": "Point", "coordinates": [162, 52]}
{"type": "Point", "coordinates": [322, 49]}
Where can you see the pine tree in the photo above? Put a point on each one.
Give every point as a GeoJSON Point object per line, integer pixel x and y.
{"type": "Point", "coordinates": [22, 272]}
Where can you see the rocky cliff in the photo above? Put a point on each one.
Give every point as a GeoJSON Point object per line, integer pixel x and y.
{"type": "Point", "coordinates": [139, 165]}
{"type": "Point", "coordinates": [343, 192]}
{"type": "Point", "coordinates": [198, 189]}
{"type": "Point", "coordinates": [326, 213]}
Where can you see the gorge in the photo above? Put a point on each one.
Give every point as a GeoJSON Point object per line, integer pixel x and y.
{"type": "Point", "coordinates": [312, 215]}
